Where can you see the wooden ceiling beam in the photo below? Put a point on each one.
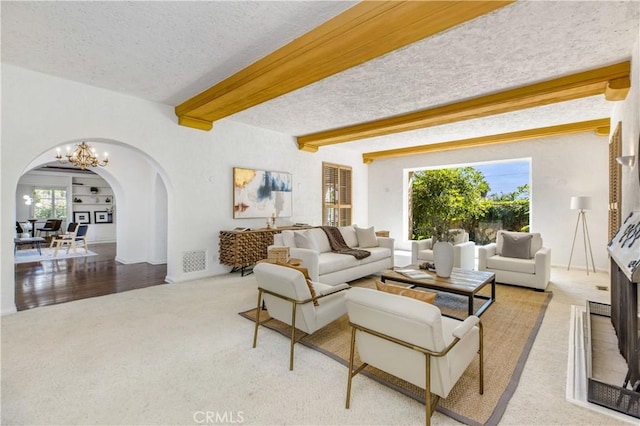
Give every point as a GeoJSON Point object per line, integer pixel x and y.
{"type": "Point", "coordinates": [597, 126]}
{"type": "Point", "coordinates": [365, 31]}
{"type": "Point", "coordinates": [612, 78]}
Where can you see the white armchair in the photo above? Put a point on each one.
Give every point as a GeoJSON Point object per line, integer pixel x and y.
{"type": "Point", "coordinates": [464, 251]}
{"type": "Point", "coordinates": [411, 340]}
{"type": "Point", "coordinates": [287, 298]}
{"type": "Point", "coordinates": [531, 269]}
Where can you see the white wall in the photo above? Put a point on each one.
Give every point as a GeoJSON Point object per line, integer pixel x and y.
{"type": "Point", "coordinates": [561, 167]}
{"type": "Point", "coordinates": [628, 112]}
{"type": "Point", "coordinates": [41, 112]}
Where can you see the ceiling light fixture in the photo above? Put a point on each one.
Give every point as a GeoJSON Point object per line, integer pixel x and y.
{"type": "Point", "coordinates": [83, 157]}
{"type": "Point", "coordinates": [626, 160]}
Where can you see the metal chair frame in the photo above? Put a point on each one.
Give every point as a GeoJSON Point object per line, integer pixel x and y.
{"type": "Point", "coordinates": [429, 404]}
{"type": "Point", "coordinates": [294, 304]}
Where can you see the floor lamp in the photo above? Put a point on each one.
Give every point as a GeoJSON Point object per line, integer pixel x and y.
{"type": "Point", "coordinates": [582, 204]}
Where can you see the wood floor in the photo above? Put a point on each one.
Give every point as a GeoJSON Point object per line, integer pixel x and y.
{"type": "Point", "coordinates": [64, 280]}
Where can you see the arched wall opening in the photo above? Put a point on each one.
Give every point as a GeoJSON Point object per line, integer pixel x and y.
{"type": "Point", "coordinates": [143, 195]}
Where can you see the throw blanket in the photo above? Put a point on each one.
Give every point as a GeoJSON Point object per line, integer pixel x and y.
{"type": "Point", "coordinates": [339, 246]}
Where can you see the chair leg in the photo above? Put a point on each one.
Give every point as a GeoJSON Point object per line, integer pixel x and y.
{"type": "Point", "coordinates": [293, 334]}
{"type": "Point", "coordinates": [427, 390]}
{"type": "Point", "coordinates": [255, 332]}
{"type": "Point", "coordinates": [481, 352]}
{"type": "Point", "coordinates": [351, 354]}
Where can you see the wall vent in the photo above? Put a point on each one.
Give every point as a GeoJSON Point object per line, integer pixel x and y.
{"type": "Point", "coordinates": [194, 261]}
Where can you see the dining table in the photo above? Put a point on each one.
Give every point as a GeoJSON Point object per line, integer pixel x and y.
{"type": "Point", "coordinates": [33, 227]}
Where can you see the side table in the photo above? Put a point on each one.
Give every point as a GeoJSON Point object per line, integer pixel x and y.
{"type": "Point", "coordinates": [242, 249]}
{"type": "Point", "coordinates": [34, 241]}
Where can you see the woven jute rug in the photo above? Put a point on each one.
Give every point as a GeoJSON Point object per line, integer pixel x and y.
{"type": "Point", "coordinates": [511, 324]}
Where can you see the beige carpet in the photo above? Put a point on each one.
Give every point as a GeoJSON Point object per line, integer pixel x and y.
{"type": "Point", "coordinates": [171, 354]}
{"type": "Point", "coordinates": [510, 327]}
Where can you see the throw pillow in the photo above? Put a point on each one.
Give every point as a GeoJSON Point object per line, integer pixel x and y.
{"type": "Point", "coordinates": [305, 272]}
{"type": "Point", "coordinates": [349, 235]}
{"type": "Point", "coordinates": [423, 296]}
{"type": "Point", "coordinates": [366, 237]}
{"type": "Point", "coordinates": [516, 245]}
{"type": "Point", "coordinates": [303, 240]}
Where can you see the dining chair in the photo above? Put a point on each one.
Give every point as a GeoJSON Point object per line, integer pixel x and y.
{"type": "Point", "coordinates": [79, 235]}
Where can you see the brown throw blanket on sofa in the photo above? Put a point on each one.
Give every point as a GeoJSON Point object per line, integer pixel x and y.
{"type": "Point", "coordinates": [339, 246]}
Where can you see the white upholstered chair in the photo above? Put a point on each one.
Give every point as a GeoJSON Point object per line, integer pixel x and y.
{"type": "Point", "coordinates": [464, 251]}
{"type": "Point", "coordinates": [533, 269]}
{"type": "Point", "coordinates": [411, 340]}
{"type": "Point", "coordinates": [288, 299]}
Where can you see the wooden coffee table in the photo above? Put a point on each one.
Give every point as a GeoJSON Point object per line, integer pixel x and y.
{"type": "Point", "coordinates": [462, 282]}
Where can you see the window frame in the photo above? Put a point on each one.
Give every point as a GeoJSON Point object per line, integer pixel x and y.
{"type": "Point", "coordinates": [52, 191]}
{"type": "Point", "coordinates": [341, 208]}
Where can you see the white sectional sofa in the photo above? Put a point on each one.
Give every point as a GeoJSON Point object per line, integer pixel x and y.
{"type": "Point", "coordinates": [313, 248]}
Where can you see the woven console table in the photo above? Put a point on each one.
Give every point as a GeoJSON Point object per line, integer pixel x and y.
{"type": "Point", "coordinates": [242, 249]}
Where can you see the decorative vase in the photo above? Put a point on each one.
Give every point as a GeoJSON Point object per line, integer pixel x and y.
{"type": "Point", "coordinates": [443, 258]}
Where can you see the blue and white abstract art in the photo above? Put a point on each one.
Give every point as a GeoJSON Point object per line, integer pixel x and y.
{"type": "Point", "coordinates": [260, 193]}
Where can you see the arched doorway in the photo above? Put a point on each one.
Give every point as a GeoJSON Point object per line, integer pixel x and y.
{"type": "Point", "coordinates": [137, 256]}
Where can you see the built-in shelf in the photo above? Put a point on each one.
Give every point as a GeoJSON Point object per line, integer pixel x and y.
{"type": "Point", "coordinates": [93, 202]}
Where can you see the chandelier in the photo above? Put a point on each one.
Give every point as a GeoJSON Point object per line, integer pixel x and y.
{"type": "Point", "coordinates": [83, 157]}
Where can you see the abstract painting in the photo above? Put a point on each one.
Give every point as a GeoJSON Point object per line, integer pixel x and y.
{"type": "Point", "coordinates": [260, 193]}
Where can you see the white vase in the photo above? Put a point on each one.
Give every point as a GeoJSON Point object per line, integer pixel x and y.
{"type": "Point", "coordinates": [443, 258]}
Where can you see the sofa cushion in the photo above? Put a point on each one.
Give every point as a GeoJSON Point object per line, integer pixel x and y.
{"type": "Point", "coordinates": [516, 245]}
{"type": "Point", "coordinates": [425, 255]}
{"type": "Point", "coordinates": [349, 235]}
{"type": "Point", "coordinates": [377, 253]}
{"type": "Point", "coordinates": [288, 238]}
{"type": "Point", "coordinates": [304, 240]}
{"type": "Point", "coordinates": [332, 262]}
{"type": "Point", "coordinates": [366, 237]}
{"type": "Point", "coordinates": [525, 266]}
{"type": "Point", "coordinates": [320, 239]}
{"type": "Point", "coordinates": [536, 241]}
{"type": "Point", "coordinates": [424, 296]}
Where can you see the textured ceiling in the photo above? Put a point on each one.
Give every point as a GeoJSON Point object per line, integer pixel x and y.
{"type": "Point", "coordinates": [170, 51]}
{"type": "Point", "coordinates": [164, 51]}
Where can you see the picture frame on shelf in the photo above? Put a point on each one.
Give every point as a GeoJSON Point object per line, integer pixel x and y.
{"type": "Point", "coordinates": [82, 217]}
{"type": "Point", "coordinates": [102, 216]}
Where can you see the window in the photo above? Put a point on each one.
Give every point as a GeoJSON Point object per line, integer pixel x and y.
{"type": "Point", "coordinates": [336, 193]}
{"type": "Point", "coordinates": [50, 203]}
{"type": "Point", "coordinates": [615, 177]}
{"type": "Point", "coordinates": [481, 198]}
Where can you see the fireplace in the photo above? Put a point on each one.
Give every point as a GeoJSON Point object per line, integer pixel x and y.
{"type": "Point", "coordinates": [624, 252]}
